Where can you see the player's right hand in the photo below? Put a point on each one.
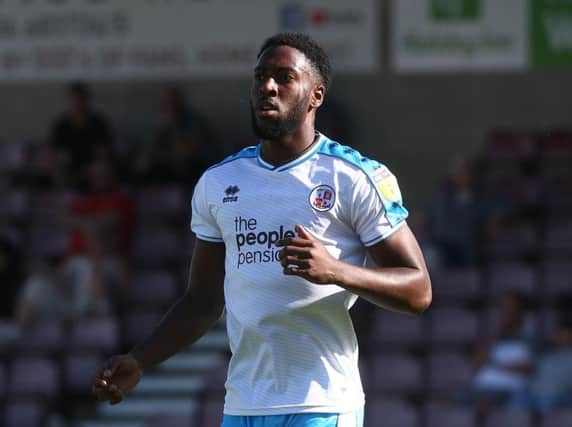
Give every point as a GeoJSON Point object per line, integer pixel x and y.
{"type": "Point", "coordinates": [116, 378]}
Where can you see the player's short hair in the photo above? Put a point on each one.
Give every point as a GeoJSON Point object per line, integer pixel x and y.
{"type": "Point", "coordinates": [309, 47]}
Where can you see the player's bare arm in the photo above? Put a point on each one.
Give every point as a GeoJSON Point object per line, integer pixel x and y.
{"type": "Point", "coordinates": [400, 283]}
{"type": "Point", "coordinates": [188, 320]}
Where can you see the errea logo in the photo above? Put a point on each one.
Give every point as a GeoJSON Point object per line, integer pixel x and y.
{"type": "Point", "coordinates": [230, 194]}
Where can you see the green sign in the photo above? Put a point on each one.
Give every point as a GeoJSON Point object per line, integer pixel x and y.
{"type": "Point", "coordinates": [551, 32]}
{"type": "Point", "coordinates": [453, 10]}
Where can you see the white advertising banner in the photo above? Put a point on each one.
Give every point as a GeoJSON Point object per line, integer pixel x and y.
{"type": "Point", "coordinates": [118, 39]}
{"type": "Point", "coordinates": [459, 35]}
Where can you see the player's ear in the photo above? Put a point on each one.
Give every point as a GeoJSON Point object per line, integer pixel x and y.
{"type": "Point", "coordinates": [317, 96]}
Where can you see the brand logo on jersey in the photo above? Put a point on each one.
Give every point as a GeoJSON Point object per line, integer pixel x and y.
{"type": "Point", "coordinates": [322, 198]}
{"type": "Point", "coordinates": [230, 194]}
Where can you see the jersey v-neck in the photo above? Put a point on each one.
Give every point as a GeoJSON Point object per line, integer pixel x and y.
{"type": "Point", "coordinates": [305, 155]}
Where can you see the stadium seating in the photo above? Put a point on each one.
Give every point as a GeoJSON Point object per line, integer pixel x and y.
{"type": "Point", "coordinates": [24, 413]}
{"type": "Point", "coordinates": [449, 372]}
{"type": "Point", "coordinates": [455, 326]}
{"type": "Point", "coordinates": [457, 285]}
{"type": "Point", "coordinates": [211, 411]}
{"type": "Point", "coordinates": [162, 204]}
{"type": "Point", "coordinates": [442, 414]}
{"type": "Point", "coordinates": [394, 373]}
{"type": "Point", "coordinates": [156, 288]}
{"type": "Point", "coordinates": [407, 362]}
{"type": "Point", "coordinates": [509, 418]}
{"type": "Point", "coordinates": [390, 329]}
{"type": "Point", "coordinates": [136, 325]}
{"type": "Point", "coordinates": [78, 371]}
{"type": "Point", "coordinates": [393, 412]}
{"type": "Point", "coordinates": [559, 418]}
{"type": "Point", "coordinates": [34, 377]}
{"type": "Point", "coordinates": [157, 246]}
{"type": "Point", "coordinates": [512, 276]}
{"type": "Point", "coordinates": [45, 338]}
{"type": "Point", "coordinates": [95, 334]}
{"type": "Point", "coordinates": [13, 157]}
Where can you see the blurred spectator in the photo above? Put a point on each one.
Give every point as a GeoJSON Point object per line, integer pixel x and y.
{"type": "Point", "coordinates": [459, 216]}
{"type": "Point", "coordinates": [10, 275]}
{"type": "Point", "coordinates": [102, 221]}
{"type": "Point", "coordinates": [182, 147]}
{"type": "Point", "coordinates": [62, 289]}
{"type": "Point", "coordinates": [505, 359]}
{"type": "Point", "coordinates": [551, 384]}
{"type": "Point", "coordinates": [79, 136]}
{"type": "Point", "coordinates": [102, 217]}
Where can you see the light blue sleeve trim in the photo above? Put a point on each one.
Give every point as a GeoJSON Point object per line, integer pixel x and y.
{"type": "Point", "coordinates": [245, 153]}
{"type": "Point", "coordinates": [381, 238]}
{"type": "Point", "coordinates": [395, 211]}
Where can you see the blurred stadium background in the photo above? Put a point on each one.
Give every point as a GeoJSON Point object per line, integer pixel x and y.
{"type": "Point", "coordinates": [111, 110]}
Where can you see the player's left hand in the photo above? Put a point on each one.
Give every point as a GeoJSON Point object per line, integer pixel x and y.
{"type": "Point", "coordinates": [307, 257]}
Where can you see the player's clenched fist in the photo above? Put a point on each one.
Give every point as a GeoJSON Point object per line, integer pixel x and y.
{"type": "Point", "coordinates": [116, 378]}
{"type": "Point", "coordinates": [307, 257]}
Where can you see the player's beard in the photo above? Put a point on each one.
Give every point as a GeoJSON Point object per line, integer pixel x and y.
{"type": "Point", "coordinates": [271, 129]}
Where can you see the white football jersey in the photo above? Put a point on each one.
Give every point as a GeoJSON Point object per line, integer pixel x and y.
{"type": "Point", "coordinates": [293, 344]}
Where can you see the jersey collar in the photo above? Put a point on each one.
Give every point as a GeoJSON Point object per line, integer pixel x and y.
{"type": "Point", "coordinates": [294, 162]}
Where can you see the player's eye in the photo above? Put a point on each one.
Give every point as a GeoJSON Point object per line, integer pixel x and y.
{"type": "Point", "coordinates": [284, 78]}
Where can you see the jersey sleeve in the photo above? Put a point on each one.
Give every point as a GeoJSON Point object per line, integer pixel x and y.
{"type": "Point", "coordinates": [377, 209]}
{"type": "Point", "coordinates": [203, 222]}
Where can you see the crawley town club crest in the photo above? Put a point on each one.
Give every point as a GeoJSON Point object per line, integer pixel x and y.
{"type": "Point", "coordinates": [322, 198]}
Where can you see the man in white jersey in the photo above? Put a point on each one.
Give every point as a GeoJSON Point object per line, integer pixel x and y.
{"type": "Point", "coordinates": [283, 229]}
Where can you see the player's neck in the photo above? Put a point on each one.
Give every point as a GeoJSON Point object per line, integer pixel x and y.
{"type": "Point", "coordinates": [278, 152]}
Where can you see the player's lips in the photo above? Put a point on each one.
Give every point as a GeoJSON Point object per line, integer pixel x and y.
{"type": "Point", "coordinates": [266, 108]}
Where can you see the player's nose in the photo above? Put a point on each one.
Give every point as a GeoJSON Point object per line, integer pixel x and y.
{"type": "Point", "coordinates": [268, 87]}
